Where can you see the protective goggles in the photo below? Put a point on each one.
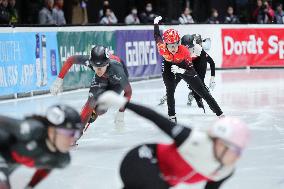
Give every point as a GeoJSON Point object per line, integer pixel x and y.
{"type": "Point", "coordinates": [172, 45]}
{"type": "Point", "coordinates": [69, 132]}
{"type": "Point", "coordinates": [233, 148]}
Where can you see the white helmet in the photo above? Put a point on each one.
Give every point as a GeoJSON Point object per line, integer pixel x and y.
{"type": "Point", "coordinates": [231, 130]}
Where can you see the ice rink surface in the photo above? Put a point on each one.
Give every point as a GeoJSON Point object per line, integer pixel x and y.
{"type": "Point", "coordinates": [256, 96]}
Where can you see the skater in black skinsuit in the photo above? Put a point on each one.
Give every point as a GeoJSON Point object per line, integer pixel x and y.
{"type": "Point", "coordinates": [194, 155]}
{"type": "Point", "coordinates": [110, 74]}
{"type": "Point", "coordinates": [41, 142]}
{"type": "Point", "coordinates": [178, 64]}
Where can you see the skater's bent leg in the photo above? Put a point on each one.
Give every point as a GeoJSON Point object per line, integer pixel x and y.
{"type": "Point", "coordinates": [170, 89]}
{"type": "Point", "coordinates": [197, 85]}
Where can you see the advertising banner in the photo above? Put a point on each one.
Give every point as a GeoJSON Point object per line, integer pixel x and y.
{"type": "Point", "coordinates": [259, 47]}
{"type": "Point", "coordinates": [81, 43]}
{"type": "Point", "coordinates": [28, 61]}
{"type": "Point", "coordinates": [138, 49]}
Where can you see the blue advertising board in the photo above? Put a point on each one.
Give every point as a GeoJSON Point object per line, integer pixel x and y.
{"type": "Point", "coordinates": [28, 61]}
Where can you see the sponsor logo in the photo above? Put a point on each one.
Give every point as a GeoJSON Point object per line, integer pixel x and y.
{"type": "Point", "coordinates": [140, 53]}
{"type": "Point", "coordinates": [116, 77]}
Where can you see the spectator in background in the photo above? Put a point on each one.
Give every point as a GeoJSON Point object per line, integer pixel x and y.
{"type": "Point", "coordinates": [257, 10]}
{"type": "Point", "coordinates": [279, 16]}
{"type": "Point", "coordinates": [105, 6]}
{"type": "Point", "coordinates": [79, 12]}
{"type": "Point", "coordinates": [148, 16]}
{"type": "Point", "coordinates": [58, 14]}
{"type": "Point", "coordinates": [4, 14]}
{"type": "Point", "coordinates": [186, 17]}
{"type": "Point", "coordinates": [214, 17]}
{"type": "Point", "coordinates": [263, 14]}
{"type": "Point", "coordinates": [14, 16]}
{"type": "Point", "coordinates": [132, 18]}
{"type": "Point", "coordinates": [32, 8]}
{"type": "Point", "coordinates": [109, 17]}
{"type": "Point", "coordinates": [230, 17]}
{"type": "Point", "coordinates": [45, 14]}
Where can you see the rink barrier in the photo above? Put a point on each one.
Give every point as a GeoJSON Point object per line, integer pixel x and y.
{"type": "Point", "coordinates": [28, 62]}
{"type": "Point", "coordinates": [30, 58]}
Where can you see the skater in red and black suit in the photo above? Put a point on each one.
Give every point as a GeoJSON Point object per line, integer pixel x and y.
{"type": "Point", "coordinates": [110, 74]}
{"type": "Point", "coordinates": [194, 156]}
{"type": "Point", "coordinates": [177, 65]}
{"type": "Point", "coordinates": [201, 59]}
{"type": "Point", "coordinates": [41, 142]}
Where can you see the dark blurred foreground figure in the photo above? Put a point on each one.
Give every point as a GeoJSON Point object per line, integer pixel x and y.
{"type": "Point", "coordinates": [41, 142]}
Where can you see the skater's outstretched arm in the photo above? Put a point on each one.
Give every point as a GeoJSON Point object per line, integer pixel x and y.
{"type": "Point", "coordinates": [157, 34]}
{"type": "Point", "coordinates": [76, 59]}
{"type": "Point", "coordinates": [158, 38]}
{"type": "Point", "coordinates": [38, 176]}
{"type": "Point", "coordinates": [127, 91]}
{"type": "Point", "coordinates": [127, 94]}
{"type": "Point", "coordinates": [177, 132]}
{"type": "Point", "coordinates": [57, 85]}
{"type": "Point", "coordinates": [212, 64]}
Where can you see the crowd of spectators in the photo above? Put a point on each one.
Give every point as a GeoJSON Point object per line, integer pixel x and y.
{"type": "Point", "coordinates": [51, 12]}
{"type": "Point", "coordinates": [8, 13]}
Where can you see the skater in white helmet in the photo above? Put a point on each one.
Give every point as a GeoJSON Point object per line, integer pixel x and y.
{"type": "Point", "coordinates": [194, 156]}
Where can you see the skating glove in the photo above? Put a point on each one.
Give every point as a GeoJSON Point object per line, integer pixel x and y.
{"type": "Point", "coordinates": [119, 119]}
{"type": "Point", "coordinates": [56, 86]}
{"type": "Point", "coordinates": [157, 20]}
{"type": "Point", "coordinates": [212, 83]}
{"type": "Point", "coordinates": [110, 98]}
{"type": "Point", "coordinates": [175, 69]}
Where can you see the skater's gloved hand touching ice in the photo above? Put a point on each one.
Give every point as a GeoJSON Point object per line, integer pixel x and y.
{"type": "Point", "coordinates": [212, 83]}
{"type": "Point", "coordinates": [110, 98]}
{"type": "Point", "coordinates": [57, 86]}
{"type": "Point", "coordinates": [157, 20]}
{"type": "Point", "coordinates": [175, 69]}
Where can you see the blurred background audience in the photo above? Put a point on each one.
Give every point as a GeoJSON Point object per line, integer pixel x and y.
{"type": "Point", "coordinates": [96, 12]}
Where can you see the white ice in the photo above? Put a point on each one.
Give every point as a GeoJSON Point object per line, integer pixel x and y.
{"type": "Point", "coordinates": [256, 96]}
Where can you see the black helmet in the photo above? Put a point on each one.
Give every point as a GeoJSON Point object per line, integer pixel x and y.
{"type": "Point", "coordinates": [191, 40]}
{"type": "Point", "coordinates": [187, 40]}
{"type": "Point", "coordinates": [63, 116]}
{"type": "Point", "coordinates": [99, 56]}
{"type": "Point", "coordinates": [198, 38]}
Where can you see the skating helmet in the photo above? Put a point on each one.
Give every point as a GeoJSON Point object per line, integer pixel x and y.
{"type": "Point", "coordinates": [198, 39]}
{"type": "Point", "coordinates": [187, 40]}
{"type": "Point", "coordinates": [63, 116]}
{"type": "Point", "coordinates": [99, 56]}
{"type": "Point", "coordinates": [171, 36]}
{"type": "Point", "coordinates": [231, 130]}
{"type": "Point", "coordinates": [191, 40]}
